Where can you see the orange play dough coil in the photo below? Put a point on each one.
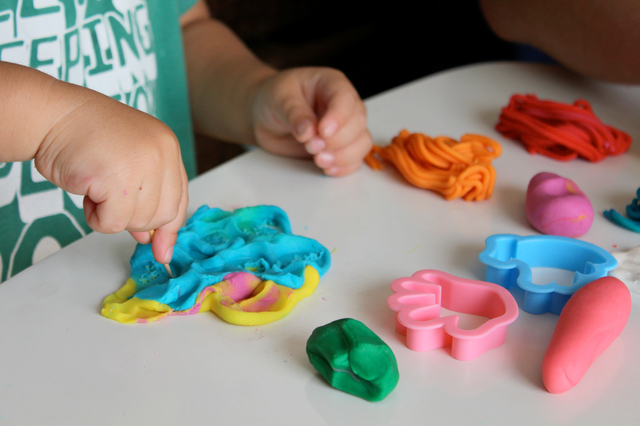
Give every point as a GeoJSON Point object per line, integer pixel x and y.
{"type": "Point", "coordinates": [590, 321]}
{"type": "Point", "coordinates": [451, 168]}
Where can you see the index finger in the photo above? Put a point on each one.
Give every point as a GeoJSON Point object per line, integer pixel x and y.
{"type": "Point", "coordinates": [164, 238]}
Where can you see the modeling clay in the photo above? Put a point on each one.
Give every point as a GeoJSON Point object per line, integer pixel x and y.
{"type": "Point", "coordinates": [354, 359]}
{"type": "Point", "coordinates": [628, 270]}
{"type": "Point", "coordinates": [451, 168]}
{"type": "Point", "coordinates": [211, 249]}
{"type": "Point", "coordinates": [560, 131]}
{"type": "Point", "coordinates": [556, 206]}
{"type": "Point", "coordinates": [417, 301]}
{"type": "Point", "coordinates": [509, 259]}
{"type": "Point", "coordinates": [618, 219]}
{"type": "Point", "coordinates": [591, 321]}
{"type": "Point", "coordinates": [633, 211]}
{"type": "Point", "coordinates": [241, 298]}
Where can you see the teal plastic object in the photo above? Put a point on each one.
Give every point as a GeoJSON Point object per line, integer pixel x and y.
{"type": "Point", "coordinates": [509, 259]}
{"type": "Point", "coordinates": [354, 359]}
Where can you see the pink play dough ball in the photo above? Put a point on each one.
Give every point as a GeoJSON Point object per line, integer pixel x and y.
{"type": "Point", "coordinates": [556, 206]}
{"type": "Point", "coordinates": [590, 321]}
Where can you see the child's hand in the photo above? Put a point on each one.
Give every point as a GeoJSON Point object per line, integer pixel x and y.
{"type": "Point", "coordinates": [312, 111]}
{"type": "Point", "coordinates": [299, 112]}
{"type": "Point", "coordinates": [126, 163]}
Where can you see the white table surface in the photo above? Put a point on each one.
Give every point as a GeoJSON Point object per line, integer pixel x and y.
{"type": "Point", "coordinates": [62, 363]}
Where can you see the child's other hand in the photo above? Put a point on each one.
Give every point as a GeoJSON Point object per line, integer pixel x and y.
{"type": "Point", "coordinates": [313, 111]}
{"type": "Point", "coordinates": [126, 163]}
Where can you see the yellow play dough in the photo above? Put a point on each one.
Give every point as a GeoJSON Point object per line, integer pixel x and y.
{"type": "Point", "coordinates": [266, 303]}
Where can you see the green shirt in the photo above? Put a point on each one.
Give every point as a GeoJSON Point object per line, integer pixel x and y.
{"type": "Point", "coordinates": [130, 50]}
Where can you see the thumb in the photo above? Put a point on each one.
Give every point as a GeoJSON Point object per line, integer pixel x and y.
{"type": "Point", "coordinates": [162, 244]}
{"type": "Point", "coordinates": [299, 118]}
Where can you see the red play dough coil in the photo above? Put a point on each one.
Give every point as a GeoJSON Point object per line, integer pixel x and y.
{"type": "Point", "coordinates": [590, 321]}
{"type": "Point", "coordinates": [560, 131]}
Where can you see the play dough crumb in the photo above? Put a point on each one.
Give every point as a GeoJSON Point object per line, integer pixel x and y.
{"type": "Point", "coordinates": [354, 359]}
{"type": "Point", "coordinates": [244, 265]}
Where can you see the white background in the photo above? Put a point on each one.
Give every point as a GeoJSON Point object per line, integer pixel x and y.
{"type": "Point", "coordinates": [61, 363]}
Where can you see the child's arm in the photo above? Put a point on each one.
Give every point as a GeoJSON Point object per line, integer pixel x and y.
{"type": "Point", "coordinates": [597, 38]}
{"type": "Point", "coordinates": [235, 97]}
{"type": "Point", "coordinates": [126, 163]}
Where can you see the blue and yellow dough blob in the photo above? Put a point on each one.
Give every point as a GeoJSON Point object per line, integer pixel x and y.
{"type": "Point", "coordinates": [244, 265]}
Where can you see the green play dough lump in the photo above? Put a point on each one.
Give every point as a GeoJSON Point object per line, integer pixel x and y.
{"type": "Point", "coordinates": [354, 359]}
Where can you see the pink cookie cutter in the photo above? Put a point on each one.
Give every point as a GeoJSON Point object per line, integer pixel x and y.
{"type": "Point", "coordinates": [418, 299]}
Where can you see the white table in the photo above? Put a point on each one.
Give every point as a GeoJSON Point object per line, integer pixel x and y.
{"type": "Point", "coordinates": [61, 363]}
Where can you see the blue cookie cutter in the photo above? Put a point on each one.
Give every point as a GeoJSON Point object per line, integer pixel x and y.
{"type": "Point", "coordinates": [509, 259]}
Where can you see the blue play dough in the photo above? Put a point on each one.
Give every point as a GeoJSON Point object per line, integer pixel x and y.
{"type": "Point", "coordinates": [215, 243]}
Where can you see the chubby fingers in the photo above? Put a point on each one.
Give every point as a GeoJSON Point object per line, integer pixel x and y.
{"type": "Point", "coordinates": [283, 114]}
{"type": "Point", "coordinates": [348, 157]}
{"type": "Point", "coordinates": [166, 233]}
{"type": "Point", "coordinates": [337, 104]}
{"type": "Point", "coordinates": [300, 117]}
{"type": "Point", "coordinates": [344, 139]}
{"type": "Point", "coordinates": [152, 198]}
{"type": "Point", "coordinates": [313, 112]}
{"type": "Point", "coordinates": [165, 236]}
